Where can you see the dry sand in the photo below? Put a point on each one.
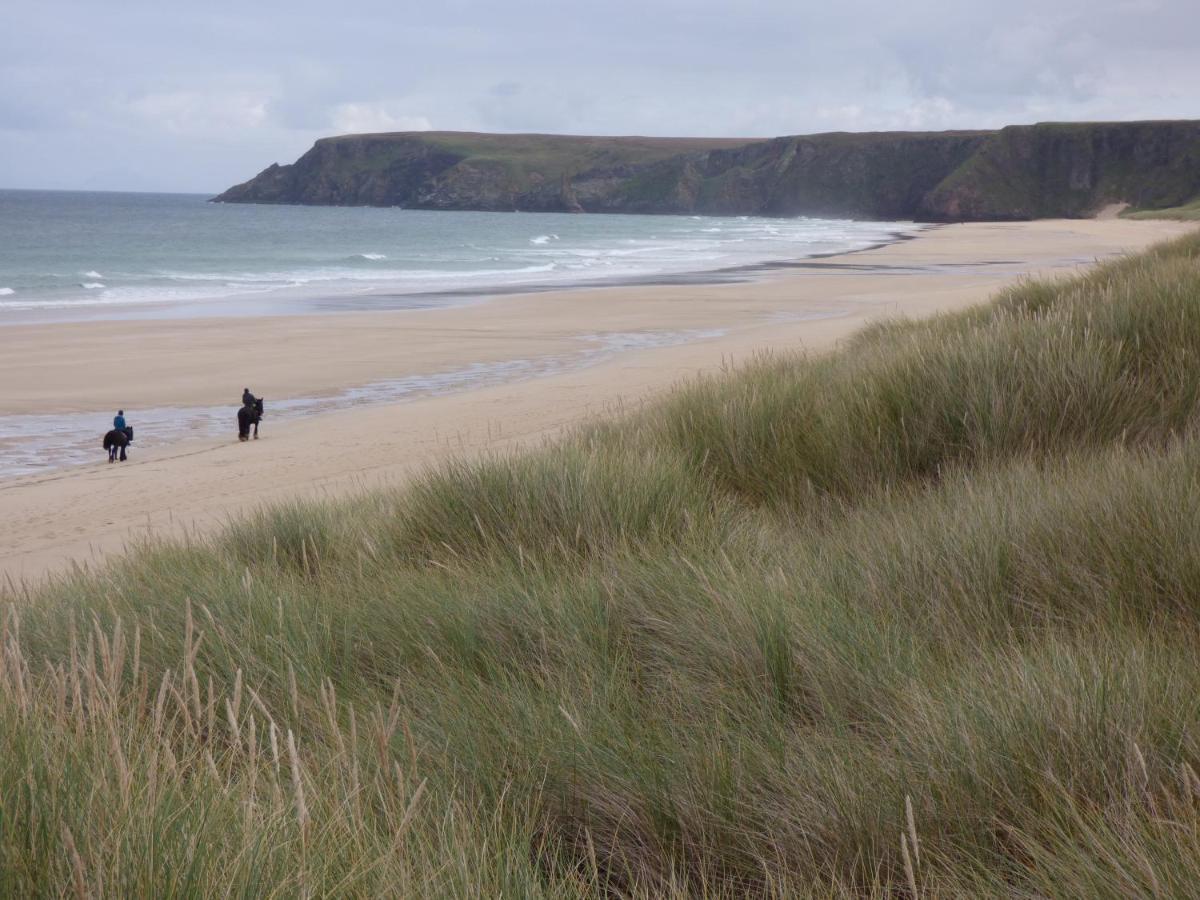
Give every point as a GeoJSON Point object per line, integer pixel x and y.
{"type": "Point", "coordinates": [86, 512]}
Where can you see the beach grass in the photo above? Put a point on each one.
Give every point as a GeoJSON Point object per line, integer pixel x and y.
{"type": "Point", "coordinates": [919, 617]}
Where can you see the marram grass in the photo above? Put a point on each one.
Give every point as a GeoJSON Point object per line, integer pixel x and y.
{"type": "Point", "coordinates": [918, 617]}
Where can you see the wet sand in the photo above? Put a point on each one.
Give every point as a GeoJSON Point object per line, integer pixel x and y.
{"type": "Point", "coordinates": [85, 513]}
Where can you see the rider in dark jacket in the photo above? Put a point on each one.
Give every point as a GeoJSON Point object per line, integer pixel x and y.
{"type": "Point", "coordinates": [248, 415]}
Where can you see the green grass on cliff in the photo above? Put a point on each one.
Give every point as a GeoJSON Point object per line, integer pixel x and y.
{"type": "Point", "coordinates": [920, 616]}
{"type": "Point", "coordinates": [1189, 212]}
{"type": "Point", "coordinates": [552, 156]}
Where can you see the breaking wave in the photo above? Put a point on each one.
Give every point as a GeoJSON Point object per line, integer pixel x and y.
{"type": "Point", "coordinates": [276, 260]}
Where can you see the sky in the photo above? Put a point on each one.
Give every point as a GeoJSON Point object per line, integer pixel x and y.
{"type": "Point", "coordinates": [196, 96]}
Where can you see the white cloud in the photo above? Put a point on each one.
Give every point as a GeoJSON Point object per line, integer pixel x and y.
{"type": "Point", "coordinates": [198, 113]}
{"type": "Point", "coordinates": [192, 96]}
{"type": "Point", "coordinates": [848, 115]}
{"type": "Point", "coordinates": [362, 118]}
{"type": "Point", "coordinates": [926, 114]}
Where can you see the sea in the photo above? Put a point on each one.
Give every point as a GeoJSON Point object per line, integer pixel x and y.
{"type": "Point", "coordinates": [68, 255]}
{"type": "Point", "coordinates": [75, 256]}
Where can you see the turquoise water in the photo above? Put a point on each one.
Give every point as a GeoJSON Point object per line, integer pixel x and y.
{"type": "Point", "coordinates": [76, 255]}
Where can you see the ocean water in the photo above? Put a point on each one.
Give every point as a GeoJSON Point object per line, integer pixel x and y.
{"type": "Point", "coordinates": [68, 256]}
{"type": "Point", "coordinates": [77, 255]}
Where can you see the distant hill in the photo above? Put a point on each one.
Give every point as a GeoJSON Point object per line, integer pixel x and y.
{"type": "Point", "coordinates": [1019, 172]}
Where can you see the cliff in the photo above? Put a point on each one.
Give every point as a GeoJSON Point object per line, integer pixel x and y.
{"type": "Point", "coordinates": [1019, 172]}
{"type": "Point", "coordinates": [461, 170]}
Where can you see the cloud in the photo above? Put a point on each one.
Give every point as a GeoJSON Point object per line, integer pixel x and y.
{"type": "Point", "coordinates": [196, 96]}
{"type": "Point", "coordinates": [197, 113]}
{"type": "Point", "coordinates": [364, 118]}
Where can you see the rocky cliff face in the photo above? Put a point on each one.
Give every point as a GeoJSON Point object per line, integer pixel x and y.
{"type": "Point", "coordinates": [1019, 172]}
{"type": "Point", "coordinates": [1072, 170]}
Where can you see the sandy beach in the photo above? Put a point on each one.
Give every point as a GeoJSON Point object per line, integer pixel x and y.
{"type": "Point", "coordinates": [85, 513]}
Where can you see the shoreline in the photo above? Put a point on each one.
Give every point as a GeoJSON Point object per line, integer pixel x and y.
{"type": "Point", "coordinates": [311, 293]}
{"type": "Point", "coordinates": [91, 511]}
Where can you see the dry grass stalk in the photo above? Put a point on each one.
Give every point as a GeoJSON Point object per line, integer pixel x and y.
{"type": "Point", "coordinates": [912, 829]}
{"type": "Point", "coordinates": [78, 879]}
{"type": "Point", "coordinates": [409, 811]}
{"type": "Point", "coordinates": [297, 784]}
{"type": "Point", "coordinates": [909, 873]}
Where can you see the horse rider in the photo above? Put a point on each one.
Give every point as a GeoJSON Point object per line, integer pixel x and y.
{"type": "Point", "coordinates": [119, 425]}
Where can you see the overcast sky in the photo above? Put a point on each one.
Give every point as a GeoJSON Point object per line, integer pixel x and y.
{"type": "Point", "coordinates": [197, 95]}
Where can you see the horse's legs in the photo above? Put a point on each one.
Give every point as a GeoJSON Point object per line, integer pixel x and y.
{"type": "Point", "coordinates": [256, 429]}
{"type": "Point", "coordinates": [123, 453]}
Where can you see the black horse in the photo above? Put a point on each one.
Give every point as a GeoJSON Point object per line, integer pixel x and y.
{"type": "Point", "coordinates": [117, 440]}
{"type": "Point", "coordinates": [249, 415]}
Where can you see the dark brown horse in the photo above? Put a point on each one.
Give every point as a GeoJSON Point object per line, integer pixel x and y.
{"type": "Point", "coordinates": [116, 440]}
{"type": "Point", "coordinates": [249, 415]}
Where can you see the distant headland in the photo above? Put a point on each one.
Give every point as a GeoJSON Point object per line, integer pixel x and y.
{"type": "Point", "coordinates": [1048, 170]}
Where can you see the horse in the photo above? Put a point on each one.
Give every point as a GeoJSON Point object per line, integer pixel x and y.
{"type": "Point", "coordinates": [116, 440]}
{"type": "Point", "coordinates": [249, 415]}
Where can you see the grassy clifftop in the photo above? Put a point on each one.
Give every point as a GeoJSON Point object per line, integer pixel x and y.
{"type": "Point", "coordinates": [1189, 212]}
{"type": "Point", "coordinates": [920, 616]}
{"type": "Point", "coordinates": [459, 170]}
{"type": "Point", "coordinates": [1020, 172]}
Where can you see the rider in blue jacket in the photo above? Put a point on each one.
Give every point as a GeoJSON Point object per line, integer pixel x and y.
{"type": "Point", "coordinates": [119, 420]}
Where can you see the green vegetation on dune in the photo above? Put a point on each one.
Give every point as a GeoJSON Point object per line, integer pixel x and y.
{"type": "Point", "coordinates": [922, 614]}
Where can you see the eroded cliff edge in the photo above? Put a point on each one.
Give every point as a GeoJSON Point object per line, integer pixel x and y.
{"type": "Point", "coordinates": [1019, 172]}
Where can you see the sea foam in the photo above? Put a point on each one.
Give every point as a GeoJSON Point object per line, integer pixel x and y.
{"type": "Point", "coordinates": [246, 261]}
